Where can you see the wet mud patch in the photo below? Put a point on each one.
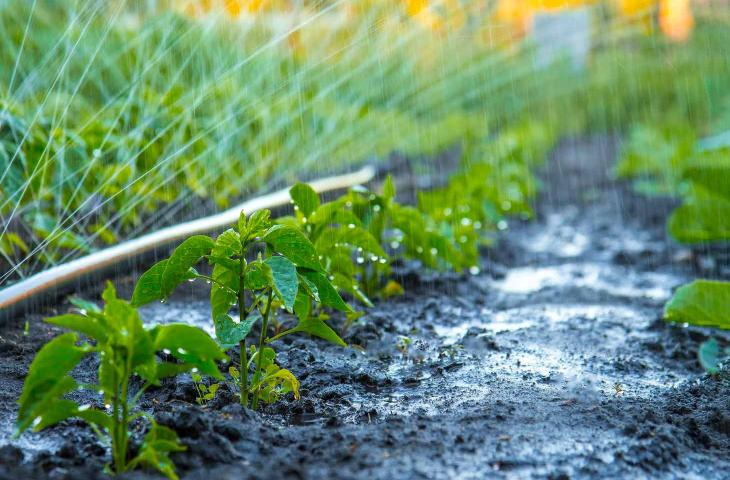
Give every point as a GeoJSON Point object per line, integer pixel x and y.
{"type": "Point", "coordinates": [553, 362]}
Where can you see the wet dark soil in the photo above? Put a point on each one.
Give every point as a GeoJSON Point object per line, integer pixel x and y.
{"type": "Point", "coordinates": [551, 362]}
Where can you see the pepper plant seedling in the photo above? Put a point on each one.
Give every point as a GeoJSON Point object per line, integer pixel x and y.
{"type": "Point", "coordinates": [352, 233]}
{"type": "Point", "coordinates": [125, 348]}
{"type": "Point", "coordinates": [285, 273]}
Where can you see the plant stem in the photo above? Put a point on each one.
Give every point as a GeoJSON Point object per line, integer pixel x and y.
{"type": "Point", "coordinates": [262, 339]}
{"type": "Point", "coordinates": [243, 374]}
{"type": "Point", "coordinates": [115, 417]}
{"type": "Point", "coordinates": [124, 441]}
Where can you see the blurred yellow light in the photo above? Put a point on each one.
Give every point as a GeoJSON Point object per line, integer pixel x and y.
{"type": "Point", "coordinates": [675, 19]}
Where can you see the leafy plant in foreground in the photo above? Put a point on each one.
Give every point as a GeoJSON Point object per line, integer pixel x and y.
{"type": "Point", "coordinates": [705, 303]}
{"type": "Point", "coordinates": [125, 349]}
{"type": "Point", "coordinates": [286, 272]}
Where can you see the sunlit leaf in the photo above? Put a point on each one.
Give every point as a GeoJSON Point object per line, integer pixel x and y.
{"type": "Point", "coordinates": [305, 198]}
{"type": "Point", "coordinates": [702, 302]}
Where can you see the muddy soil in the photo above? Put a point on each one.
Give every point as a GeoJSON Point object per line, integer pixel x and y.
{"type": "Point", "coordinates": [552, 362]}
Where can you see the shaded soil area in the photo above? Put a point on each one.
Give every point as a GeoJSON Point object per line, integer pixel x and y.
{"type": "Point", "coordinates": [552, 362]}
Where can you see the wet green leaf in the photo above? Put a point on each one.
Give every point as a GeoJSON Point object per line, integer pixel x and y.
{"type": "Point", "coordinates": [305, 198]}
{"type": "Point", "coordinates": [714, 176]}
{"type": "Point", "coordinates": [155, 451]}
{"type": "Point", "coordinates": [327, 294]}
{"type": "Point", "coordinates": [47, 378]}
{"type": "Point", "coordinates": [229, 333]}
{"type": "Point", "coordinates": [222, 298]}
{"type": "Point", "coordinates": [89, 326]}
{"type": "Point", "coordinates": [149, 285]}
{"type": "Point", "coordinates": [292, 244]}
{"type": "Point", "coordinates": [258, 276]}
{"type": "Point", "coordinates": [318, 328]}
{"type": "Point", "coordinates": [228, 244]}
{"type": "Point", "coordinates": [709, 356]}
{"type": "Point", "coordinates": [302, 305]}
{"type": "Point", "coordinates": [702, 302]}
{"type": "Point", "coordinates": [182, 259]}
{"type": "Point", "coordinates": [256, 225]}
{"type": "Point", "coordinates": [191, 345]}
{"type": "Point", "coordinates": [285, 279]}
{"type": "Point", "coordinates": [388, 188]}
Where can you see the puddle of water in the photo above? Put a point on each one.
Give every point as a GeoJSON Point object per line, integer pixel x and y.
{"type": "Point", "coordinates": [606, 278]}
{"type": "Point", "coordinates": [559, 238]}
{"type": "Point", "coordinates": [534, 316]}
{"type": "Point", "coordinates": [194, 313]}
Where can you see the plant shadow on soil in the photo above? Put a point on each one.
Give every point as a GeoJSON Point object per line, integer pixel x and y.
{"type": "Point", "coordinates": [552, 362]}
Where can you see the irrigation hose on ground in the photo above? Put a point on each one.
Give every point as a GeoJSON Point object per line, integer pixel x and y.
{"type": "Point", "coordinates": [50, 283]}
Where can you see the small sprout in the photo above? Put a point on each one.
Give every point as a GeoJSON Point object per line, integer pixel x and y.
{"type": "Point", "coordinates": [618, 389]}
{"type": "Point", "coordinates": [403, 345]}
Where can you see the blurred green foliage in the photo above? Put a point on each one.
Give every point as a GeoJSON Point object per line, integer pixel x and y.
{"type": "Point", "coordinates": [112, 121]}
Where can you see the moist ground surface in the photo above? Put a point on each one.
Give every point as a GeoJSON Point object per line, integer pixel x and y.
{"type": "Point", "coordinates": [552, 362]}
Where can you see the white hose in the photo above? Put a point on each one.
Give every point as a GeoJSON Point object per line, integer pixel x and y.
{"type": "Point", "coordinates": [50, 281]}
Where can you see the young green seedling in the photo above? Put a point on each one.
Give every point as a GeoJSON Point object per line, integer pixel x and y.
{"type": "Point", "coordinates": [286, 272]}
{"type": "Point", "coordinates": [125, 349]}
{"type": "Point", "coordinates": [352, 233]}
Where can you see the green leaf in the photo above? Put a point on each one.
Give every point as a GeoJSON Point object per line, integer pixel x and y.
{"type": "Point", "coordinates": [709, 356]}
{"type": "Point", "coordinates": [388, 188]}
{"type": "Point", "coordinates": [352, 236]}
{"type": "Point", "coordinates": [191, 345]}
{"type": "Point", "coordinates": [292, 244]}
{"type": "Point", "coordinates": [327, 294]}
{"type": "Point", "coordinates": [334, 212]}
{"type": "Point", "coordinates": [89, 326]}
{"type": "Point", "coordinates": [715, 176]}
{"type": "Point", "coordinates": [155, 450]}
{"type": "Point", "coordinates": [227, 244]}
{"type": "Point", "coordinates": [55, 412]}
{"type": "Point", "coordinates": [232, 265]}
{"type": "Point", "coordinates": [286, 282]}
{"type": "Point", "coordinates": [703, 302]}
{"type": "Point", "coordinates": [170, 369]}
{"type": "Point", "coordinates": [230, 333]}
{"type": "Point", "coordinates": [256, 225]}
{"type": "Point", "coordinates": [277, 382]}
{"type": "Point", "coordinates": [47, 378]}
{"type": "Point", "coordinates": [127, 330]}
{"type": "Point", "coordinates": [302, 305]}
{"type": "Point", "coordinates": [221, 299]}
{"type": "Point", "coordinates": [85, 305]}
{"type": "Point", "coordinates": [306, 287]}
{"type": "Point", "coordinates": [349, 285]}
{"type": "Point", "coordinates": [317, 327]}
{"type": "Point", "coordinates": [182, 259]}
{"type": "Point", "coordinates": [149, 285]}
{"type": "Point", "coordinates": [258, 276]}
{"type": "Point", "coordinates": [701, 219]}
{"type": "Point", "coordinates": [242, 223]}
{"type": "Point", "coordinates": [63, 409]}
{"type": "Point", "coordinates": [305, 198]}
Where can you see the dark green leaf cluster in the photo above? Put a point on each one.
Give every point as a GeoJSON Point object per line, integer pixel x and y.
{"type": "Point", "coordinates": [257, 267]}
